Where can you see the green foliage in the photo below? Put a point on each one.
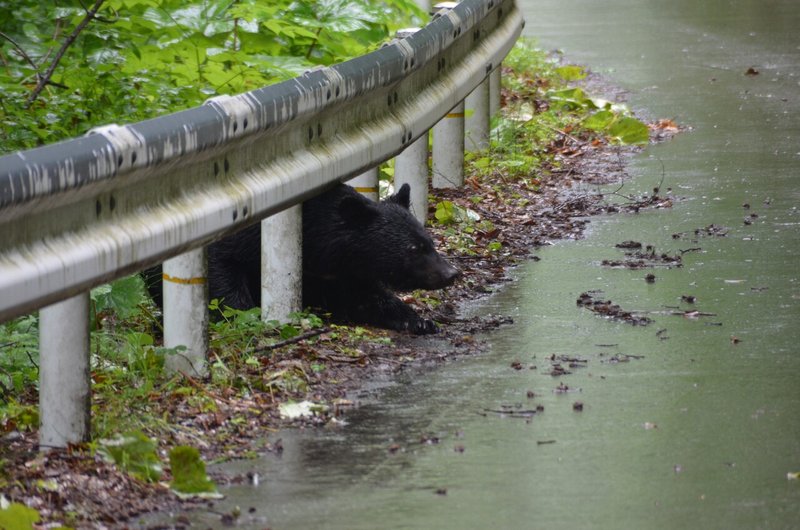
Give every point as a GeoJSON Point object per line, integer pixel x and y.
{"type": "Point", "coordinates": [570, 98]}
{"type": "Point", "coordinates": [135, 453]}
{"type": "Point", "coordinates": [189, 476]}
{"type": "Point", "coordinates": [16, 516]}
{"type": "Point", "coordinates": [139, 58]}
{"type": "Point", "coordinates": [545, 118]}
{"type": "Point", "coordinates": [620, 128]}
{"type": "Point", "coordinates": [237, 326]}
{"type": "Point", "coordinates": [19, 357]}
{"type": "Point", "coordinates": [571, 72]}
{"type": "Point", "coordinates": [614, 121]}
{"type": "Point", "coordinates": [528, 63]}
{"type": "Point", "coordinates": [446, 212]}
{"type": "Point", "coordinates": [122, 297]}
{"type": "Point", "coordinates": [463, 225]}
{"type": "Point", "coordinates": [245, 327]}
{"type": "Point", "coordinates": [238, 333]}
{"type": "Point", "coordinates": [16, 416]}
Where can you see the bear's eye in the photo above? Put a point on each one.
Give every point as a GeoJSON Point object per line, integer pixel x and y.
{"type": "Point", "coordinates": [413, 248]}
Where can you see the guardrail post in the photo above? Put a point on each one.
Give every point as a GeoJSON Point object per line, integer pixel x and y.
{"type": "Point", "coordinates": [411, 167]}
{"type": "Point", "coordinates": [476, 120]}
{"type": "Point", "coordinates": [366, 183]}
{"type": "Point", "coordinates": [448, 136]}
{"type": "Point", "coordinates": [494, 92]}
{"type": "Point", "coordinates": [64, 384]}
{"type": "Point", "coordinates": [282, 264]}
{"type": "Point", "coordinates": [448, 149]}
{"type": "Point", "coordinates": [186, 311]}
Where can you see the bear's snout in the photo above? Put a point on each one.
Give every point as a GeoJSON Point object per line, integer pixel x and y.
{"type": "Point", "coordinates": [451, 274]}
{"type": "Point", "coordinates": [442, 274]}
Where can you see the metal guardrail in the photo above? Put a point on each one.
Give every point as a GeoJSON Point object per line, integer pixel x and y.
{"type": "Point", "coordinates": [82, 212]}
{"type": "Point", "coordinates": [79, 213]}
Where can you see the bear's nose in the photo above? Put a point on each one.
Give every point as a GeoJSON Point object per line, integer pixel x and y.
{"type": "Point", "coordinates": [451, 275]}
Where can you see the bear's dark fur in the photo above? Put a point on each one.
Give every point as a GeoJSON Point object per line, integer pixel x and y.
{"type": "Point", "coordinates": [355, 252]}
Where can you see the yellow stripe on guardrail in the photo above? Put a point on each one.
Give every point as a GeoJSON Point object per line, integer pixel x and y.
{"type": "Point", "coordinates": [184, 281]}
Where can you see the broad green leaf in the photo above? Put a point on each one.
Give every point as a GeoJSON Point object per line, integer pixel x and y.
{"type": "Point", "coordinates": [296, 31]}
{"type": "Point", "coordinates": [599, 121]}
{"type": "Point", "coordinates": [275, 26]}
{"type": "Point", "coordinates": [31, 31]}
{"type": "Point", "coordinates": [445, 212]}
{"type": "Point", "coordinates": [248, 26]}
{"type": "Point", "coordinates": [483, 162]}
{"type": "Point", "coordinates": [189, 478]}
{"type": "Point", "coordinates": [572, 98]}
{"type": "Point", "coordinates": [629, 131]}
{"type": "Point", "coordinates": [288, 331]}
{"type": "Point", "coordinates": [571, 72]}
{"type": "Point", "coordinates": [215, 27]}
{"type": "Point", "coordinates": [159, 17]}
{"type": "Point", "coordinates": [134, 453]}
{"type": "Point", "coordinates": [18, 517]}
{"type": "Point", "coordinates": [123, 296]}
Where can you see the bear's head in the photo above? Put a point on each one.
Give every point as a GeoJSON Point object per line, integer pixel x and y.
{"type": "Point", "coordinates": [394, 247]}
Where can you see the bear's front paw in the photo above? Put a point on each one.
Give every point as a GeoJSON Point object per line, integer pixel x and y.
{"type": "Point", "coordinates": [423, 326]}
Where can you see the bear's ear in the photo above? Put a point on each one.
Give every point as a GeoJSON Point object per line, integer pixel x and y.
{"type": "Point", "coordinates": [358, 211]}
{"type": "Point", "coordinates": [402, 197]}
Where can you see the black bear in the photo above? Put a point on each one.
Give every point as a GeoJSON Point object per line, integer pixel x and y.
{"type": "Point", "coordinates": [355, 252]}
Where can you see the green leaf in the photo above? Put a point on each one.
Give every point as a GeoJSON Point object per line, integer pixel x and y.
{"type": "Point", "coordinates": [18, 517]}
{"type": "Point", "coordinates": [31, 31]}
{"type": "Point", "coordinates": [288, 331]}
{"type": "Point", "coordinates": [134, 453]}
{"type": "Point", "coordinates": [295, 31]}
{"type": "Point", "coordinates": [571, 72]}
{"type": "Point", "coordinates": [629, 131]}
{"type": "Point", "coordinates": [445, 212]}
{"type": "Point", "coordinates": [22, 417]}
{"type": "Point", "coordinates": [571, 98]}
{"type": "Point", "coordinates": [273, 25]}
{"type": "Point", "coordinates": [189, 476]}
{"type": "Point", "coordinates": [123, 296]}
{"type": "Point", "coordinates": [600, 121]}
{"type": "Point", "coordinates": [483, 162]}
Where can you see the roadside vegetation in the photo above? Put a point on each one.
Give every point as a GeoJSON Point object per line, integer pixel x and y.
{"type": "Point", "coordinates": [149, 58]}
{"type": "Point", "coordinates": [68, 66]}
